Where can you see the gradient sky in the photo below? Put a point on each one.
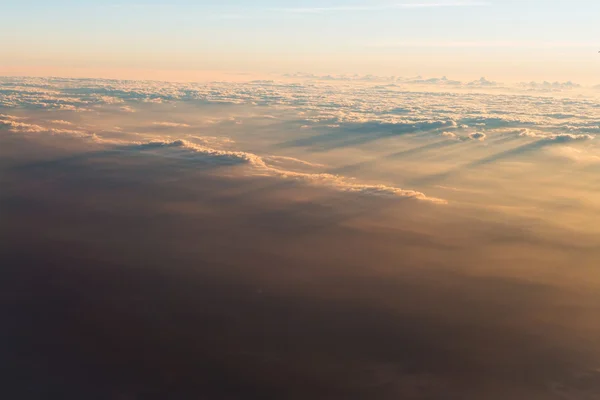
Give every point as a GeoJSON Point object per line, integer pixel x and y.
{"type": "Point", "coordinates": [501, 39]}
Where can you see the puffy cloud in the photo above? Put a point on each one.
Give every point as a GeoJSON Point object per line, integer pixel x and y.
{"type": "Point", "coordinates": [556, 137]}
{"type": "Point", "coordinates": [477, 136]}
{"type": "Point", "coordinates": [9, 117]}
{"type": "Point", "coordinates": [566, 137]}
{"type": "Point", "coordinates": [22, 127]}
{"type": "Point", "coordinates": [211, 155]}
{"type": "Point", "coordinates": [550, 86]}
{"type": "Point", "coordinates": [107, 99]}
{"type": "Point", "coordinates": [16, 126]}
{"type": "Point", "coordinates": [482, 82]}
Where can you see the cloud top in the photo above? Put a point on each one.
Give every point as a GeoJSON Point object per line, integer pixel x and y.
{"type": "Point", "coordinates": [262, 166]}
{"type": "Point", "coordinates": [477, 136]}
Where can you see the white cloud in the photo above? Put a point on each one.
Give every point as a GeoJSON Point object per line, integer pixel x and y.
{"type": "Point", "coordinates": [556, 137]}
{"type": "Point", "coordinates": [16, 126]}
{"type": "Point", "coordinates": [213, 155]}
{"type": "Point", "coordinates": [9, 117]}
{"type": "Point", "coordinates": [21, 127]}
{"type": "Point", "coordinates": [71, 107]}
{"type": "Point", "coordinates": [107, 99]}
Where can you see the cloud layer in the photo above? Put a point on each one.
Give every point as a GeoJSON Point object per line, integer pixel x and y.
{"type": "Point", "coordinates": [199, 149]}
{"type": "Point", "coordinates": [210, 241]}
{"type": "Point", "coordinates": [404, 137]}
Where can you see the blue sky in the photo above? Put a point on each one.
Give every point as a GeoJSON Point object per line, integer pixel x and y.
{"type": "Point", "coordinates": [323, 36]}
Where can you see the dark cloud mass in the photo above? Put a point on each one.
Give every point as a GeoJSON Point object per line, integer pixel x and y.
{"type": "Point", "coordinates": [147, 257]}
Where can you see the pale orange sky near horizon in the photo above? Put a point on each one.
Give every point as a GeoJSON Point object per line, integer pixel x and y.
{"type": "Point", "coordinates": [583, 71]}
{"type": "Point", "coordinates": [182, 40]}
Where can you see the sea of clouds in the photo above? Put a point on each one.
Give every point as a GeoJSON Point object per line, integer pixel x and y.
{"type": "Point", "coordinates": [306, 120]}
{"type": "Point", "coordinates": [316, 235]}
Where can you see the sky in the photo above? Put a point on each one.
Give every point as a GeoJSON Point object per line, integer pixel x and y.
{"type": "Point", "coordinates": [189, 40]}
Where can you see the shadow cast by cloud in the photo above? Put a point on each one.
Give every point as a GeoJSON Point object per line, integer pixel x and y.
{"type": "Point", "coordinates": [352, 168]}
{"type": "Point", "coordinates": [494, 158]}
{"type": "Point", "coordinates": [354, 134]}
